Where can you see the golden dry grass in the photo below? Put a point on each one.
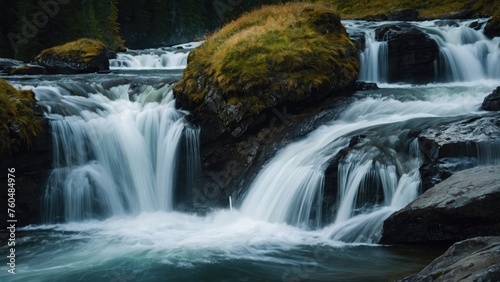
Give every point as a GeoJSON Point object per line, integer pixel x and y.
{"type": "Point", "coordinates": [82, 50]}
{"type": "Point", "coordinates": [289, 50]}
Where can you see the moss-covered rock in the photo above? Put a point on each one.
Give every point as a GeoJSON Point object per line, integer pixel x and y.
{"type": "Point", "coordinates": [273, 56]}
{"type": "Point", "coordinates": [18, 121]}
{"type": "Point", "coordinates": [80, 56]}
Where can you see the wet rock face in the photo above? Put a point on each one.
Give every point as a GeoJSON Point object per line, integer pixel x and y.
{"type": "Point", "coordinates": [475, 259]}
{"type": "Point", "coordinates": [492, 28]}
{"type": "Point", "coordinates": [492, 101]}
{"type": "Point", "coordinates": [32, 166]}
{"type": "Point", "coordinates": [230, 165]}
{"type": "Point", "coordinates": [411, 53]}
{"type": "Point", "coordinates": [457, 146]}
{"type": "Point", "coordinates": [463, 206]}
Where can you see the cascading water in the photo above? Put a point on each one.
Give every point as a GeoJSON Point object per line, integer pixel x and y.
{"type": "Point", "coordinates": [113, 156]}
{"type": "Point", "coordinates": [374, 59]}
{"type": "Point", "coordinates": [286, 190]}
{"type": "Point", "coordinates": [465, 54]}
{"type": "Point", "coordinates": [174, 57]}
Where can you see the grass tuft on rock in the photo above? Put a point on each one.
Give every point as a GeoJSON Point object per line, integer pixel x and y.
{"type": "Point", "coordinates": [18, 122]}
{"type": "Point", "coordinates": [277, 54]}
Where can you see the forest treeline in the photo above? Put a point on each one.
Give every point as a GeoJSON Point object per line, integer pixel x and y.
{"type": "Point", "coordinates": [29, 26]}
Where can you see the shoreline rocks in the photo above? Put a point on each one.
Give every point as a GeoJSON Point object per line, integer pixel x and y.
{"type": "Point", "coordinates": [475, 259]}
{"type": "Point", "coordinates": [462, 206]}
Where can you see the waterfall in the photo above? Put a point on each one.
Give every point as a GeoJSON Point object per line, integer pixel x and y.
{"type": "Point", "coordinates": [374, 60]}
{"type": "Point", "coordinates": [167, 60]}
{"type": "Point", "coordinates": [377, 176]}
{"type": "Point", "coordinates": [465, 54]}
{"type": "Point", "coordinates": [174, 57]}
{"type": "Point", "coordinates": [113, 156]}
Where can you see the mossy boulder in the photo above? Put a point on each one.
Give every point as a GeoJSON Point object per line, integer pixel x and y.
{"type": "Point", "coordinates": [80, 56]}
{"type": "Point", "coordinates": [273, 56]}
{"type": "Point", "coordinates": [18, 120]}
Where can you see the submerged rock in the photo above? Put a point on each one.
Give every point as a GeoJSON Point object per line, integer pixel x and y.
{"type": "Point", "coordinates": [81, 56]}
{"type": "Point", "coordinates": [411, 53]}
{"type": "Point", "coordinates": [492, 101]}
{"type": "Point", "coordinates": [290, 54]}
{"type": "Point", "coordinates": [475, 259]}
{"type": "Point", "coordinates": [463, 206]}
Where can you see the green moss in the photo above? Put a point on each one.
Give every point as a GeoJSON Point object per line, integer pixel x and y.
{"type": "Point", "coordinates": [270, 56]}
{"type": "Point", "coordinates": [17, 110]}
{"type": "Point", "coordinates": [82, 50]}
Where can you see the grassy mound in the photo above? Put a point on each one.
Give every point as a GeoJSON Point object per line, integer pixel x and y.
{"type": "Point", "coordinates": [277, 54]}
{"type": "Point", "coordinates": [17, 117]}
{"type": "Point", "coordinates": [81, 51]}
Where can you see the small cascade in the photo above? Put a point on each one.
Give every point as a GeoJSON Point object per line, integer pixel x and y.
{"type": "Point", "coordinates": [167, 60]}
{"type": "Point", "coordinates": [374, 182]}
{"type": "Point", "coordinates": [113, 156]}
{"type": "Point", "coordinates": [465, 54]}
{"type": "Point", "coordinates": [374, 60]}
{"type": "Point", "coordinates": [378, 176]}
{"type": "Point", "coordinates": [174, 57]}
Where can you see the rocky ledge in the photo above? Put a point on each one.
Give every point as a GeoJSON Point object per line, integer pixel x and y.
{"type": "Point", "coordinates": [475, 259]}
{"type": "Point", "coordinates": [457, 146]}
{"type": "Point", "coordinates": [463, 206]}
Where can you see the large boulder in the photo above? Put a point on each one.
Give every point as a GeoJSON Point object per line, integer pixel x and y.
{"type": "Point", "coordinates": [475, 259]}
{"type": "Point", "coordinates": [492, 101]}
{"type": "Point", "coordinates": [411, 53]}
{"type": "Point", "coordinates": [463, 206]}
{"type": "Point", "coordinates": [458, 145]}
{"type": "Point", "coordinates": [290, 54]}
{"type": "Point", "coordinates": [80, 56]}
